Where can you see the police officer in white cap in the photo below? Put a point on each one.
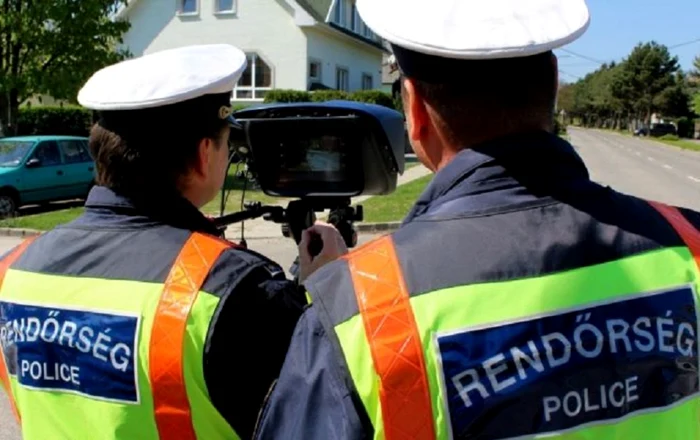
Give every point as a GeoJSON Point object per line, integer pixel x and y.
{"type": "Point", "coordinates": [153, 327]}
{"type": "Point", "coordinates": [519, 299]}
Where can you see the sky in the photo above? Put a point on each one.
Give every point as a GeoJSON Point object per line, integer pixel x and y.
{"type": "Point", "coordinates": [618, 25]}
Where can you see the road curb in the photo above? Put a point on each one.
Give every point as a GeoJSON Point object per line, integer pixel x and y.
{"type": "Point", "coordinates": [18, 232]}
{"type": "Point", "coordinates": [377, 227]}
{"type": "Point", "coordinates": [361, 227]}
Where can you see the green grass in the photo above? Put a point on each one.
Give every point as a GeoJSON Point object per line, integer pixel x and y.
{"type": "Point", "coordinates": [49, 220]}
{"type": "Point", "coordinates": [684, 144]}
{"type": "Point", "coordinates": [394, 207]}
{"type": "Point", "coordinates": [42, 222]}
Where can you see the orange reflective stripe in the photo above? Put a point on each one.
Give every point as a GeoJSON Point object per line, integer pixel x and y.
{"type": "Point", "coordinates": [172, 409]}
{"type": "Point", "coordinates": [5, 264]}
{"type": "Point", "coordinates": [392, 333]}
{"type": "Point", "coordinates": [688, 232]}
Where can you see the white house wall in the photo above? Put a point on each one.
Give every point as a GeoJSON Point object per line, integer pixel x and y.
{"type": "Point", "coordinates": [263, 26]}
{"type": "Point", "coordinates": [334, 50]}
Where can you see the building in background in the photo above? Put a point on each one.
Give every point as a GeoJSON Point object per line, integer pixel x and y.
{"type": "Point", "coordinates": [291, 44]}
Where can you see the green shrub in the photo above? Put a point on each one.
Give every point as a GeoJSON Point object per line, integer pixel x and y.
{"type": "Point", "coordinates": [373, 97]}
{"type": "Point", "coordinates": [686, 127]}
{"type": "Point", "coordinates": [369, 96]}
{"type": "Point", "coordinates": [50, 120]}
{"type": "Point", "coordinates": [282, 95]}
{"type": "Point", "coordinates": [669, 137]}
{"type": "Point", "coordinates": [329, 95]}
{"type": "Point", "coordinates": [559, 128]}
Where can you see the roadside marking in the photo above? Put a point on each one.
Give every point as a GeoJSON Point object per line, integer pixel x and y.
{"type": "Point", "coordinates": [694, 179]}
{"type": "Point", "coordinates": [651, 158]}
{"type": "Point", "coordinates": [668, 167]}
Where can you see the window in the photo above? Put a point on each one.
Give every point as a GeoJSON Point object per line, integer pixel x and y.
{"type": "Point", "coordinates": [188, 6]}
{"type": "Point", "coordinates": [340, 14]}
{"type": "Point", "coordinates": [342, 79]}
{"type": "Point", "coordinates": [315, 71]}
{"type": "Point", "coordinates": [367, 81]}
{"type": "Point", "coordinates": [256, 80]}
{"type": "Point", "coordinates": [74, 152]}
{"type": "Point", "coordinates": [225, 6]}
{"type": "Point", "coordinates": [48, 154]}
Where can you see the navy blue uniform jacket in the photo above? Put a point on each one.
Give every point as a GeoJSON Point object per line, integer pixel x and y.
{"type": "Point", "coordinates": [510, 181]}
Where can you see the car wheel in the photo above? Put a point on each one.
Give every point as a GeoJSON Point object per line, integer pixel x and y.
{"type": "Point", "coordinates": [8, 205]}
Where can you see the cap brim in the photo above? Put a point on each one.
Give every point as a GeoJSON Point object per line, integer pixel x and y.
{"type": "Point", "coordinates": [233, 123]}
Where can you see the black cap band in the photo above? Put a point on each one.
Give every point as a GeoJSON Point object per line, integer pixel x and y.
{"type": "Point", "coordinates": [440, 70]}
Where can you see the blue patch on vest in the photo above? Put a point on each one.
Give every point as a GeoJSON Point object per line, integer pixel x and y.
{"type": "Point", "coordinates": [557, 372]}
{"type": "Point", "coordinates": [84, 352]}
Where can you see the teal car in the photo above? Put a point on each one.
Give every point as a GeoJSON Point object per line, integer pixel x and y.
{"type": "Point", "coordinates": [41, 169]}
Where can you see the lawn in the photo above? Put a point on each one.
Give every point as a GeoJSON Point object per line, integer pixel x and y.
{"type": "Point", "coordinates": [684, 144]}
{"type": "Point", "coordinates": [50, 220]}
{"type": "Point", "coordinates": [394, 207]}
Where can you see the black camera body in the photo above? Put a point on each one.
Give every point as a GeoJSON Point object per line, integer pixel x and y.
{"type": "Point", "coordinates": [329, 149]}
{"type": "Point", "coordinates": [321, 155]}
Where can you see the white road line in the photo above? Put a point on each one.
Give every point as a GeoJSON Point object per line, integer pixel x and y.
{"type": "Point", "coordinates": [668, 167]}
{"type": "Point", "coordinates": [694, 179]}
{"type": "Point", "coordinates": [651, 159]}
{"type": "Point", "coordinates": [637, 153]}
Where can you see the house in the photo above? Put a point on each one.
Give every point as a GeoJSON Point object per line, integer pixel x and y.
{"type": "Point", "coordinates": [291, 44]}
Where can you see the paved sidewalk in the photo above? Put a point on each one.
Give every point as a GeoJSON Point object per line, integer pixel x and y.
{"type": "Point", "coordinates": [260, 228]}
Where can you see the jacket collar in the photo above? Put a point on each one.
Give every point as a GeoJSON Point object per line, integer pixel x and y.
{"type": "Point", "coordinates": [542, 162]}
{"type": "Point", "coordinates": [172, 210]}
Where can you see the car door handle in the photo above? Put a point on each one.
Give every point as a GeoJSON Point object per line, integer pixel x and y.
{"type": "Point", "coordinates": [90, 169]}
{"type": "Point", "coordinates": [59, 172]}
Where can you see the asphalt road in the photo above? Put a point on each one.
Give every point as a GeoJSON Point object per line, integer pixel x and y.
{"type": "Point", "coordinates": [641, 167]}
{"type": "Point", "coordinates": [630, 165]}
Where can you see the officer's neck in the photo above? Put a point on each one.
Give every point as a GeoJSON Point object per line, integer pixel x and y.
{"type": "Point", "coordinates": [449, 150]}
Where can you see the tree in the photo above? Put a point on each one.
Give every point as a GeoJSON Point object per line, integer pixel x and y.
{"type": "Point", "coordinates": [53, 46]}
{"type": "Point", "coordinates": [675, 100]}
{"type": "Point", "coordinates": [644, 76]}
{"type": "Point", "coordinates": [695, 73]}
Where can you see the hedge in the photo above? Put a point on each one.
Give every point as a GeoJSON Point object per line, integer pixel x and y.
{"type": "Point", "coordinates": [46, 120]}
{"type": "Point", "coordinates": [76, 121]}
{"type": "Point", "coordinates": [368, 96]}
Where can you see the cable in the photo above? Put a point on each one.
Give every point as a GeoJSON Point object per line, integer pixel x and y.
{"type": "Point", "coordinates": [245, 185]}
{"type": "Point", "coordinates": [583, 56]}
{"type": "Point", "coordinates": [687, 43]}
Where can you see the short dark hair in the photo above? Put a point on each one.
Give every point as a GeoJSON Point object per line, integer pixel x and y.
{"type": "Point", "coordinates": [138, 151]}
{"type": "Point", "coordinates": [493, 95]}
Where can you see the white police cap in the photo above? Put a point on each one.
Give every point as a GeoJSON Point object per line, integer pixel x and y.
{"type": "Point", "coordinates": [163, 78]}
{"type": "Point", "coordinates": [476, 29]}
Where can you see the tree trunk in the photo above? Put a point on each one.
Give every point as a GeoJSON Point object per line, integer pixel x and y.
{"type": "Point", "coordinates": [9, 110]}
{"type": "Point", "coordinates": [3, 115]}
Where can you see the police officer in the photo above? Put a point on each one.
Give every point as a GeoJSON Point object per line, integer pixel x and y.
{"type": "Point", "coordinates": [136, 321]}
{"type": "Point", "coordinates": [519, 299]}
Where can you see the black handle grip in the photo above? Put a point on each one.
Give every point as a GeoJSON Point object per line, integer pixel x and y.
{"type": "Point", "coordinates": [315, 245]}
{"type": "Point", "coordinates": [59, 172]}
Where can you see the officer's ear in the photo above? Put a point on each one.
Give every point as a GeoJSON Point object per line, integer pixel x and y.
{"type": "Point", "coordinates": [414, 105]}
{"type": "Point", "coordinates": [206, 150]}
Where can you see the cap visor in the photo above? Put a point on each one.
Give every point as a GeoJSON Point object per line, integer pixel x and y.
{"type": "Point", "coordinates": [233, 123]}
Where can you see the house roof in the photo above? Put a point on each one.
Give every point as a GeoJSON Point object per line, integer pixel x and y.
{"type": "Point", "coordinates": [318, 9]}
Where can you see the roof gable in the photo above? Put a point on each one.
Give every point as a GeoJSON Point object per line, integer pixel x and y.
{"type": "Point", "coordinates": [318, 9]}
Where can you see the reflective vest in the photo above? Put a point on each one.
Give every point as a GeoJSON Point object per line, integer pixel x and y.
{"type": "Point", "coordinates": [101, 359]}
{"type": "Point", "coordinates": [603, 352]}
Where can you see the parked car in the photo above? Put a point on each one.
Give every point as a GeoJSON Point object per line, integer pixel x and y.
{"type": "Point", "coordinates": [657, 130]}
{"type": "Point", "coordinates": [41, 169]}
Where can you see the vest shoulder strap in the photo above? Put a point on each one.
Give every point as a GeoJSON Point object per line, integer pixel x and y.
{"type": "Point", "coordinates": [688, 233]}
{"type": "Point", "coordinates": [173, 414]}
{"type": "Point", "coordinates": [5, 265]}
{"type": "Point", "coordinates": [394, 340]}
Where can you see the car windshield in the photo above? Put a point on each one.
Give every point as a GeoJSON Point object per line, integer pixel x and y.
{"type": "Point", "coordinates": [12, 152]}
